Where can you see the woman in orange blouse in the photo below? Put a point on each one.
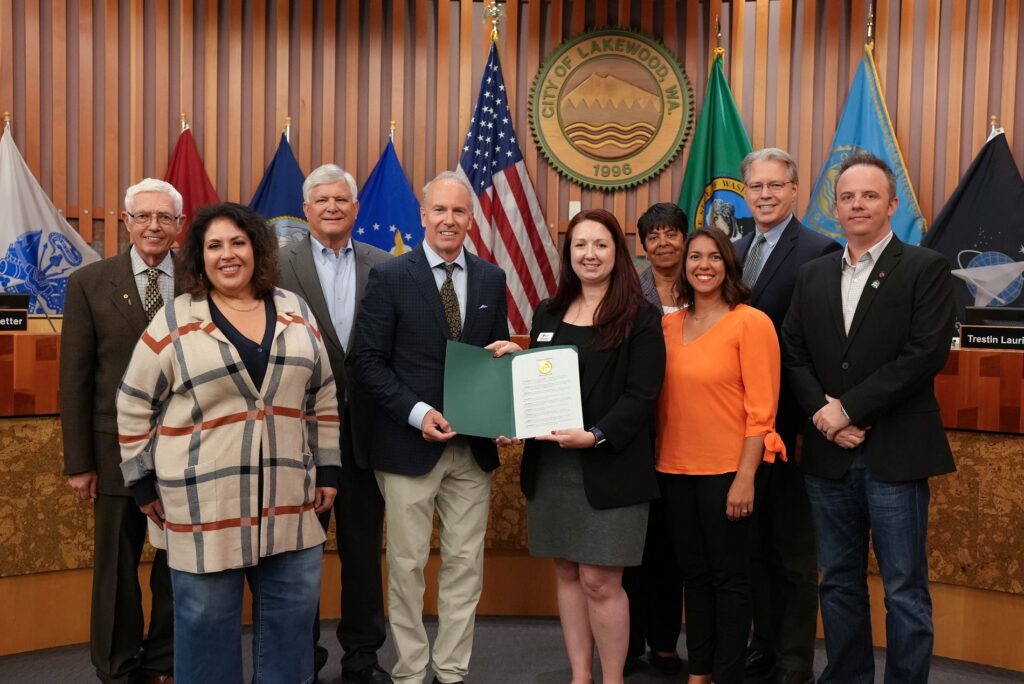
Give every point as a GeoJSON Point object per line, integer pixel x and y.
{"type": "Point", "coordinates": [716, 419]}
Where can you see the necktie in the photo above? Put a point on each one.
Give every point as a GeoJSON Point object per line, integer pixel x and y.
{"type": "Point", "coordinates": [451, 302]}
{"type": "Point", "coordinates": [752, 266]}
{"type": "Point", "coordinates": [152, 300]}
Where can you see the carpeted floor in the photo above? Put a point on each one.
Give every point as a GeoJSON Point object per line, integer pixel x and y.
{"type": "Point", "coordinates": [506, 651]}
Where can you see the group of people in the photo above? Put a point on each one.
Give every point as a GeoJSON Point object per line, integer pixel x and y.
{"type": "Point", "coordinates": [238, 392]}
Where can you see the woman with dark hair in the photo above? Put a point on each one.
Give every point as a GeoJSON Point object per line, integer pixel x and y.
{"type": "Point", "coordinates": [588, 489]}
{"type": "Point", "coordinates": [716, 424]}
{"type": "Point", "coordinates": [228, 424]}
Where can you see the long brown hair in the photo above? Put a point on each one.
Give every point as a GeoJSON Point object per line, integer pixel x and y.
{"type": "Point", "coordinates": [734, 290]}
{"type": "Point", "coordinates": [613, 319]}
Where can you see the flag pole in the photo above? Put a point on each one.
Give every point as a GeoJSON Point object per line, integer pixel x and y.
{"type": "Point", "coordinates": [391, 133]}
{"type": "Point", "coordinates": [494, 12]}
{"type": "Point", "coordinates": [993, 128]}
{"type": "Point", "coordinates": [871, 24]}
{"type": "Point", "coordinates": [184, 122]}
{"type": "Point", "coordinates": [288, 129]}
{"type": "Point", "coordinates": [7, 120]}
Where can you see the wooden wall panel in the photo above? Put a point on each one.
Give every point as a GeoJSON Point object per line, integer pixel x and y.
{"type": "Point", "coordinates": [96, 87]}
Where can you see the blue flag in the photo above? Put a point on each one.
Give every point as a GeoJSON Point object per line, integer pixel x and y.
{"type": "Point", "coordinates": [279, 197]}
{"type": "Point", "coordinates": [389, 215]}
{"type": "Point", "coordinates": [865, 126]}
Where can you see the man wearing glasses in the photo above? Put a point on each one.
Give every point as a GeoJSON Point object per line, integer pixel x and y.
{"type": "Point", "coordinates": [109, 303]}
{"type": "Point", "coordinates": [785, 577]}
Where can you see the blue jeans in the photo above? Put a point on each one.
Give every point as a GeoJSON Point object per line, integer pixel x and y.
{"type": "Point", "coordinates": [208, 620]}
{"type": "Point", "coordinates": [895, 514]}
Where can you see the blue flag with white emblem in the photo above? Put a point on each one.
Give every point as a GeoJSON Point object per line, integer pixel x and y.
{"type": "Point", "coordinates": [389, 215]}
{"type": "Point", "coordinates": [278, 199]}
{"type": "Point", "coordinates": [38, 248]}
{"type": "Point", "coordinates": [865, 126]}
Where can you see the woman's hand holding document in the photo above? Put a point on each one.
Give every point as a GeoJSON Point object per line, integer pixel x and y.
{"type": "Point", "coordinates": [518, 395]}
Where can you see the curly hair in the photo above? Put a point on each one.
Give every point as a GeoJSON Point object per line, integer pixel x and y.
{"type": "Point", "coordinates": [190, 269]}
{"type": "Point", "coordinates": [734, 290]}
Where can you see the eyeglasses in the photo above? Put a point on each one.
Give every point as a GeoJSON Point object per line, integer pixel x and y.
{"type": "Point", "coordinates": [143, 218]}
{"type": "Point", "coordinates": [773, 187]}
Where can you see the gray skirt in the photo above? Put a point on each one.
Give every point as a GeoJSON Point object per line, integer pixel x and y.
{"type": "Point", "coordinates": [563, 524]}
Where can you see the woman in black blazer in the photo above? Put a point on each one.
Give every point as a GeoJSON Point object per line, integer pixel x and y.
{"type": "Point", "coordinates": [588, 489]}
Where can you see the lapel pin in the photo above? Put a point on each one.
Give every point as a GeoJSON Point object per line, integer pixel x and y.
{"type": "Point", "coordinates": [129, 299]}
{"type": "Point", "coordinates": [881, 275]}
{"type": "Point", "coordinates": [875, 284]}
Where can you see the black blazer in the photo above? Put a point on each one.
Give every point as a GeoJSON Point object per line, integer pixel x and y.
{"type": "Point", "coordinates": [398, 354]}
{"type": "Point", "coordinates": [298, 274]}
{"type": "Point", "coordinates": [620, 390]}
{"type": "Point", "coordinates": [883, 371]}
{"type": "Point", "coordinates": [772, 293]}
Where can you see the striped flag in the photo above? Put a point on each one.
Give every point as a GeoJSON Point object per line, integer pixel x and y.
{"type": "Point", "coordinates": [509, 228]}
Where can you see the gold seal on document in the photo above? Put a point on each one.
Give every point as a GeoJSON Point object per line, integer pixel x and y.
{"type": "Point", "coordinates": [544, 367]}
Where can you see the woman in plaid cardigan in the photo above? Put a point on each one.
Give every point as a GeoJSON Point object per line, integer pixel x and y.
{"type": "Point", "coordinates": [228, 425]}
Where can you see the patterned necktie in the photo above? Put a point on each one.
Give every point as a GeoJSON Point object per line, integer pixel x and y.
{"type": "Point", "coordinates": [752, 266]}
{"type": "Point", "coordinates": [451, 302]}
{"type": "Point", "coordinates": [152, 300]}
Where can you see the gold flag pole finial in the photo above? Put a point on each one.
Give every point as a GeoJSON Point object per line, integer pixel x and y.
{"type": "Point", "coordinates": [495, 13]}
{"type": "Point", "coordinates": [184, 122]}
{"type": "Point", "coordinates": [718, 33]}
{"type": "Point", "coordinates": [288, 128]}
{"type": "Point", "coordinates": [871, 24]}
{"type": "Point", "coordinates": [993, 127]}
{"type": "Point", "coordinates": [391, 134]}
{"type": "Point", "coordinates": [7, 119]}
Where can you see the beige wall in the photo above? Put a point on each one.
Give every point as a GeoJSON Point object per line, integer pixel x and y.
{"type": "Point", "coordinates": [95, 87]}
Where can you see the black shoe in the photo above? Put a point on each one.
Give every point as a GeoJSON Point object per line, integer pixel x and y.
{"type": "Point", "coordinates": [631, 665]}
{"type": "Point", "coordinates": [759, 663]}
{"type": "Point", "coordinates": [371, 674]}
{"type": "Point", "coordinates": [666, 665]}
{"type": "Point", "coordinates": [438, 681]}
{"type": "Point", "coordinates": [782, 676]}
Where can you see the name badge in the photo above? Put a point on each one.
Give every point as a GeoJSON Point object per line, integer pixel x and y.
{"type": "Point", "coordinates": [545, 337]}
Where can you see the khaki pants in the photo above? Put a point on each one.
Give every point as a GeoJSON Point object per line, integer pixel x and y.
{"type": "Point", "coordinates": [461, 492]}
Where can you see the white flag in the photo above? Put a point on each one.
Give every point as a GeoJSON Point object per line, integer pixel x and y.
{"type": "Point", "coordinates": [38, 248]}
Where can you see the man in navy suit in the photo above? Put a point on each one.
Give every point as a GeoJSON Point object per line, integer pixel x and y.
{"type": "Point", "coordinates": [785, 581]}
{"type": "Point", "coordinates": [413, 305]}
{"type": "Point", "coordinates": [864, 338]}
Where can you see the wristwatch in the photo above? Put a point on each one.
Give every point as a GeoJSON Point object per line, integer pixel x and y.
{"type": "Point", "coordinates": [598, 436]}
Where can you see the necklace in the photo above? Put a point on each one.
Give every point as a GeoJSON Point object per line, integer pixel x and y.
{"type": "Point", "coordinates": [238, 308]}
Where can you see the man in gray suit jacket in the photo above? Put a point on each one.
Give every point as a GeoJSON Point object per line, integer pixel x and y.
{"type": "Point", "coordinates": [329, 270]}
{"type": "Point", "coordinates": [108, 305]}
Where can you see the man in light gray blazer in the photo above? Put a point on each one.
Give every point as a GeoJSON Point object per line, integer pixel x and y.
{"type": "Point", "coordinates": [329, 270]}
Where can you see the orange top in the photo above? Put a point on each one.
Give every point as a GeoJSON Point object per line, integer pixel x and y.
{"type": "Point", "coordinates": [719, 389]}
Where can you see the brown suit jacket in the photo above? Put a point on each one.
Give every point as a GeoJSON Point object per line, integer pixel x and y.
{"type": "Point", "coordinates": [103, 319]}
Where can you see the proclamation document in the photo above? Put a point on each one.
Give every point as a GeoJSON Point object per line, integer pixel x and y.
{"type": "Point", "coordinates": [520, 395]}
{"type": "Point", "coordinates": [546, 391]}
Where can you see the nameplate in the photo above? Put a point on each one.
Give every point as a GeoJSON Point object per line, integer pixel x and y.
{"type": "Point", "coordinates": [991, 337]}
{"type": "Point", "coordinates": [12, 321]}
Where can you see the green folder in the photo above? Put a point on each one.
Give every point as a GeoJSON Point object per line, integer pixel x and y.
{"type": "Point", "coordinates": [478, 390]}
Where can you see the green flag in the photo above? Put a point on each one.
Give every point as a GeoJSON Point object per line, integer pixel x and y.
{"type": "Point", "coordinates": [712, 191]}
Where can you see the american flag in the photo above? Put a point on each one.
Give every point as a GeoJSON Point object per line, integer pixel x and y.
{"type": "Point", "coordinates": [509, 227]}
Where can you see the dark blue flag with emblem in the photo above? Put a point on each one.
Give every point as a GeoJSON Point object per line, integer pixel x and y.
{"type": "Point", "coordinates": [981, 230]}
{"type": "Point", "coordinates": [389, 215]}
{"type": "Point", "coordinates": [279, 197]}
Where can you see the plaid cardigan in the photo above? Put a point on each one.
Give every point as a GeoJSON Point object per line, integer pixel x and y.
{"type": "Point", "coordinates": [188, 412]}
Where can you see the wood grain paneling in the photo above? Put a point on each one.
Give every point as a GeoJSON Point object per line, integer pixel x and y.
{"type": "Point", "coordinates": [342, 70]}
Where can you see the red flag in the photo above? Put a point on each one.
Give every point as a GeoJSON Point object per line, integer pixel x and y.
{"type": "Point", "coordinates": [511, 231]}
{"type": "Point", "coordinates": [187, 175]}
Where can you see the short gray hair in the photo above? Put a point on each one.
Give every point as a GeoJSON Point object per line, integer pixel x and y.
{"type": "Point", "coordinates": [451, 177]}
{"type": "Point", "coordinates": [770, 154]}
{"type": "Point", "coordinates": [325, 175]}
{"type": "Point", "coordinates": [152, 185]}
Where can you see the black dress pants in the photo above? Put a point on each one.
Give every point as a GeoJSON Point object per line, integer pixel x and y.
{"type": "Point", "coordinates": [119, 648]}
{"type": "Point", "coordinates": [655, 590]}
{"type": "Point", "coordinates": [359, 521]}
{"type": "Point", "coordinates": [714, 554]}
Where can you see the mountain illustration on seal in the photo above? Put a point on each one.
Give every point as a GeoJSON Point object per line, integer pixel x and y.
{"type": "Point", "coordinates": [608, 117]}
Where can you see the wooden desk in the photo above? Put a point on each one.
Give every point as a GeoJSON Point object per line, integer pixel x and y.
{"type": "Point", "coordinates": [982, 389]}
{"type": "Point", "coordinates": [29, 373]}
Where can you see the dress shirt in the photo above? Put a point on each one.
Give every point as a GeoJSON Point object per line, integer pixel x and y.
{"type": "Point", "coordinates": [337, 274]}
{"type": "Point", "coordinates": [460, 283]}
{"type": "Point", "coordinates": [855, 276]}
{"type": "Point", "coordinates": [165, 281]}
{"type": "Point", "coordinates": [771, 238]}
